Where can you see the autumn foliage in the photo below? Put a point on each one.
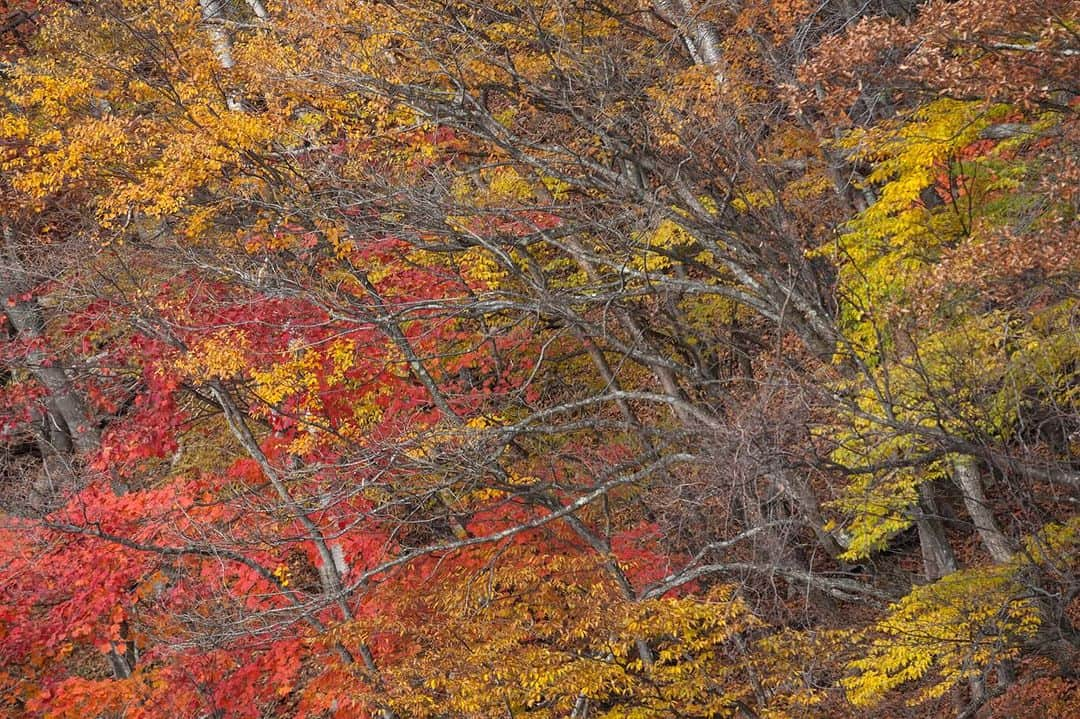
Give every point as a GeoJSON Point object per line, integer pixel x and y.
{"type": "Point", "coordinates": [617, 360]}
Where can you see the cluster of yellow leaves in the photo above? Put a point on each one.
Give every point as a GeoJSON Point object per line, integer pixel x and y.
{"type": "Point", "coordinates": [689, 99]}
{"type": "Point", "coordinates": [898, 413]}
{"type": "Point", "coordinates": [953, 630]}
{"type": "Point", "coordinates": [974, 377]}
{"type": "Point", "coordinates": [304, 372]}
{"type": "Point", "coordinates": [99, 111]}
{"type": "Point", "coordinates": [283, 574]}
{"type": "Point", "coordinates": [797, 669]}
{"type": "Point", "coordinates": [481, 270]}
{"type": "Point", "coordinates": [311, 373]}
{"type": "Point", "coordinates": [222, 355]}
{"type": "Point", "coordinates": [1055, 546]}
{"type": "Point", "coordinates": [954, 370]}
{"type": "Point", "coordinates": [957, 628]}
{"type": "Point", "coordinates": [506, 184]}
{"type": "Point", "coordinates": [657, 247]}
{"type": "Point", "coordinates": [547, 634]}
{"type": "Point", "coordinates": [892, 241]}
{"type": "Point", "coordinates": [1044, 362]}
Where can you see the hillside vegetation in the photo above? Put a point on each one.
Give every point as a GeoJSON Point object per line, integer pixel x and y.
{"type": "Point", "coordinates": [591, 359]}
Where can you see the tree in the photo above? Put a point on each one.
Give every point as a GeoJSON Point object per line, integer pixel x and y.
{"type": "Point", "coordinates": [578, 359]}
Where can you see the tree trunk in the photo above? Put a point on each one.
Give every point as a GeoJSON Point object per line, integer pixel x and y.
{"type": "Point", "coordinates": [938, 557]}
{"type": "Point", "coordinates": [67, 407]}
{"type": "Point", "coordinates": [213, 13]}
{"type": "Point", "coordinates": [701, 38]}
{"type": "Point", "coordinates": [967, 478]}
{"type": "Point", "coordinates": [67, 427]}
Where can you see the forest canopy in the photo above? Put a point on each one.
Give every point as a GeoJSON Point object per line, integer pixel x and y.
{"type": "Point", "coordinates": [601, 359]}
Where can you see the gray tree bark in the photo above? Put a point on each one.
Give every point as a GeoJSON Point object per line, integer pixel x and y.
{"type": "Point", "coordinates": [938, 556]}
{"type": "Point", "coordinates": [968, 479]}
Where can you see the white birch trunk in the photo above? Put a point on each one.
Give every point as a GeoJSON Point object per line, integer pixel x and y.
{"type": "Point", "coordinates": [259, 9]}
{"type": "Point", "coordinates": [213, 14]}
{"type": "Point", "coordinates": [700, 36]}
